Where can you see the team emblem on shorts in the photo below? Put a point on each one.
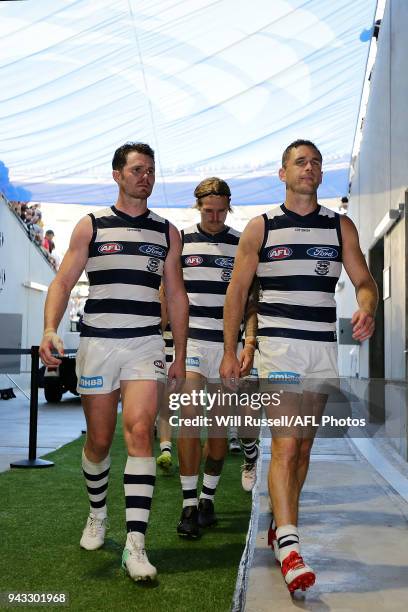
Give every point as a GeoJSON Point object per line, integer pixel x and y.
{"type": "Point", "coordinates": [281, 252]}
{"type": "Point", "coordinates": [226, 275]}
{"type": "Point", "coordinates": [153, 264]}
{"type": "Point", "coordinates": [224, 262]}
{"type": "Point", "coordinates": [110, 247]}
{"type": "Point", "coordinates": [159, 364]}
{"type": "Point", "coordinates": [322, 267]}
{"type": "Point", "coordinates": [193, 260]}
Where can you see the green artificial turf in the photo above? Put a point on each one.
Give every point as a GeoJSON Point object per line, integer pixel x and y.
{"type": "Point", "coordinates": [43, 512]}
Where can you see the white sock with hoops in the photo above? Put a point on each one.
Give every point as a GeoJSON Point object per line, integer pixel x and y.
{"type": "Point", "coordinates": [288, 540]}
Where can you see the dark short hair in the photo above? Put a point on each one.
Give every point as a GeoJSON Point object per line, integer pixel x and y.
{"type": "Point", "coordinates": [120, 156]}
{"type": "Point", "coordinates": [50, 232]}
{"type": "Point", "coordinates": [294, 145]}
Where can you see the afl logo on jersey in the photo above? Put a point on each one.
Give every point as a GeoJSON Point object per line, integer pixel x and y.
{"type": "Point", "coordinates": [226, 275]}
{"type": "Point", "coordinates": [281, 252]}
{"type": "Point", "coordinates": [322, 252]}
{"type": "Point", "coordinates": [152, 250]}
{"type": "Point", "coordinates": [224, 262]}
{"type": "Point", "coordinates": [110, 247]}
{"type": "Point", "coordinates": [159, 364]}
{"type": "Point", "coordinates": [193, 260]}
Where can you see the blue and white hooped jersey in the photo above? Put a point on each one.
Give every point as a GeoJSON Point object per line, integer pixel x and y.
{"type": "Point", "coordinates": [124, 269]}
{"type": "Point", "coordinates": [300, 262]}
{"type": "Point", "coordinates": [207, 261]}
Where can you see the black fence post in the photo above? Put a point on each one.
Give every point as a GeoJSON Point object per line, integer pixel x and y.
{"type": "Point", "coordinates": [32, 441]}
{"type": "Point", "coordinates": [32, 461]}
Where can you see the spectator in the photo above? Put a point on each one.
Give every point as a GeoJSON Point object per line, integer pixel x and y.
{"type": "Point", "coordinates": [23, 211]}
{"type": "Point", "coordinates": [16, 207]}
{"type": "Point", "coordinates": [28, 218]}
{"type": "Point", "coordinates": [31, 217]}
{"type": "Point", "coordinates": [37, 215]}
{"type": "Point", "coordinates": [48, 242]}
{"type": "Point", "coordinates": [38, 236]}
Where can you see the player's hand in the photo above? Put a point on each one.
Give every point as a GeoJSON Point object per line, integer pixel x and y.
{"type": "Point", "coordinates": [50, 342]}
{"type": "Point", "coordinates": [176, 375]}
{"type": "Point", "coordinates": [246, 360]}
{"type": "Point", "coordinates": [363, 325]}
{"type": "Point", "coordinates": [230, 370]}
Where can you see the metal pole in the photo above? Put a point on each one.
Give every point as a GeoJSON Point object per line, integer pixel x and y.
{"type": "Point", "coordinates": [32, 442]}
{"type": "Point", "coordinates": [32, 461]}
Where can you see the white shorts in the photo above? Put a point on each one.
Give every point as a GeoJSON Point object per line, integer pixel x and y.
{"type": "Point", "coordinates": [205, 357]}
{"type": "Point", "coordinates": [291, 363]}
{"type": "Point", "coordinates": [101, 363]}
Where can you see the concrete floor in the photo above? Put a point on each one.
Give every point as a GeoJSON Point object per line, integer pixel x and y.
{"type": "Point", "coordinates": [353, 529]}
{"type": "Point", "coordinates": [58, 424]}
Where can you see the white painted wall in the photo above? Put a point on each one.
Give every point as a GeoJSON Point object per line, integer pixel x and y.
{"type": "Point", "coordinates": [378, 185]}
{"type": "Point", "coordinates": [381, 170]}
{"type": "Point", "coordinates": [22, 262]}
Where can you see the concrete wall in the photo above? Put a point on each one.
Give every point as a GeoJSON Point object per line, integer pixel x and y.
{"type": "Point", "coordinates": [378, 185]}
{"type": "Point", "coordinates": [21, 262]}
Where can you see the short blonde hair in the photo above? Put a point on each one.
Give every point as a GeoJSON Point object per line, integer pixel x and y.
{"type": "Point", "coordinates": [212, 186]}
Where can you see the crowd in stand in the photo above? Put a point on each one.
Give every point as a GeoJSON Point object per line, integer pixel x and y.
{"type": "Point", "coordinates": [31, 218]}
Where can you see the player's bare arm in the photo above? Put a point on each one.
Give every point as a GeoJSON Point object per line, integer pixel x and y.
{"type": "Point", "coordinates": [164, 318]}
{"type": "Point", "coordinates": [365, 286]}
{"type": "Point", "coordinates": [177, 303]}
{"type": "Point", "coordinates": [246, 262]}
{"type": "Point", "coordinates": [246, 357]}
{"type": "Point", "coordinates": [59, 290]}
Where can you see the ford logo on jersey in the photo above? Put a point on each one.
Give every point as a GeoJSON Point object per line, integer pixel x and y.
{"type": "Point", "coordinates": [225, 262]}
{"type": "Point", "coordinates": [152, 250]}
{"type": "Point", "coordinates": [280, 252]}
{"type": "Point", "coordinates": [110, 247]}
{"type": "Point", "coordinates": [322, 252]}
{"type": "Point", "coordinates": [193, 260]}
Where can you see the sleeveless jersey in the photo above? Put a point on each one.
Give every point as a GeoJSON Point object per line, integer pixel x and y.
{"type": "Point", "coordinates": [299, 266]}
{"type": "Point", "coordinates": [207, 263]}
{"type": "Point", "coordinates": [124, 269]}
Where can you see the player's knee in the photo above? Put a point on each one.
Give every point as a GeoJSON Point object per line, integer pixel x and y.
{"type": "Point", "coordinates": [287, 452]}
{"type": "Point", "coordinates": [99, 443]}
{"type": "Point", "coordinates": [139, 434]}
